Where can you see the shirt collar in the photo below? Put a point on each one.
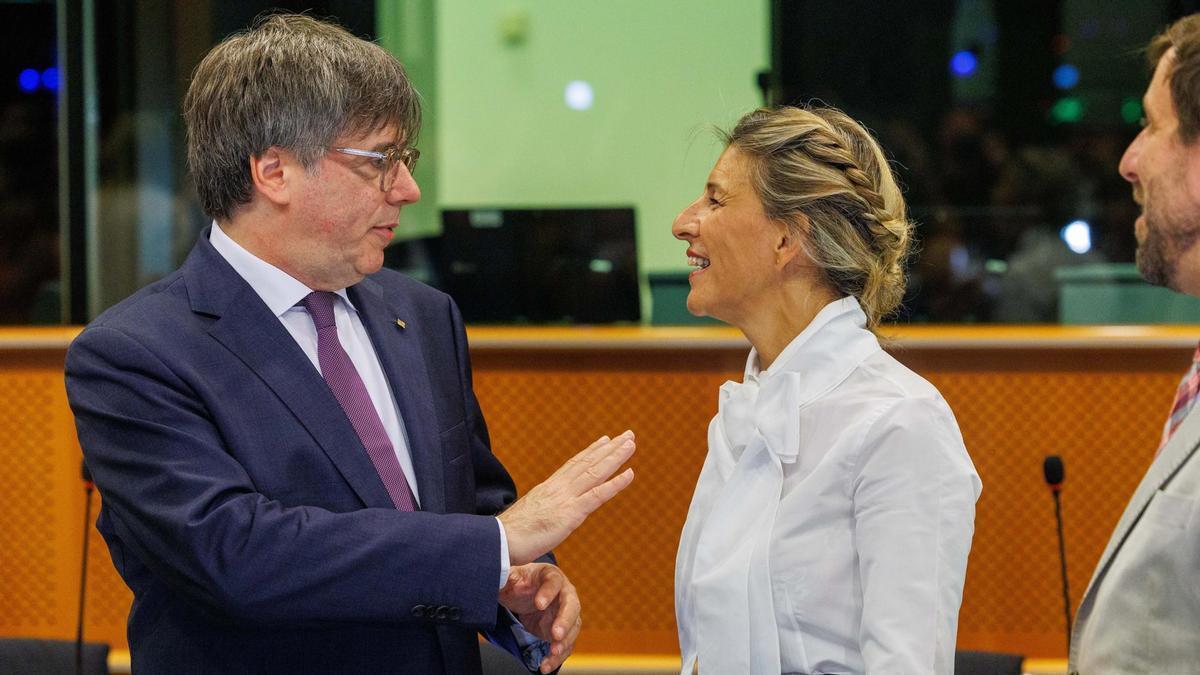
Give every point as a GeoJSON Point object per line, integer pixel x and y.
{"type": "Point", "coordinates": [278, 289]}
{"type": "Point", "coordinates": [832, 345]}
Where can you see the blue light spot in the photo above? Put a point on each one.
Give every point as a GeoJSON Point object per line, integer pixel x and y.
{"type": "Point", "coordinates": [28, 79]}
{"type": "Point", "coordinates": [50, 78]}
{"type": "Point", "coordinates": [1066, 76]}
{"type": "Point", "coordinates": [1078, 236]}
{"type": "Point", "coordinates": [963, 63]}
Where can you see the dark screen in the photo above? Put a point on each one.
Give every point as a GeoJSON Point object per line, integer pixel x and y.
{"type": "Point", "coordinates": [538, 265]}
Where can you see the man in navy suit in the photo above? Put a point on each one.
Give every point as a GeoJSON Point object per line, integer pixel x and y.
{"type": "Point", "coordinates": [295, 471]}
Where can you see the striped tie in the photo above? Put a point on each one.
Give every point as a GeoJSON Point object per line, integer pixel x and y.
{"type": "Point", "coordinates": [1185, 398]}
{"type": "Point", "coordinates": [348, 388]}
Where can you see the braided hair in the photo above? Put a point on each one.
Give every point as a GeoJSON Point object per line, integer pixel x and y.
{"type": "Point", "coordinates": [825, 176]}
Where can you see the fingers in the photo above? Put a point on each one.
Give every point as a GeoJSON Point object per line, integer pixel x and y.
{"type": "Point", "coordinates": [565, 629]}
{"type": "Point", "coordinates": [592, 466]}
{"type": "Point", "coordinates": [517, 588]}
{"type": "Point", "coordinates": [603, 466]}
{"type": "Point", "coordinates": [568, 612]}
{"type": "Point", "coordinates": [570, 466]}
{"type": "Point", "coordinates": [597, 443]}
{"type": "Point", "coordinates": [595, 453]}
{"type": "Point", "coordinates": [572, 635]}
{"type": "Point", "coordinates": [552, 584]}
{"type": "Point", "coordinates": [554, 508]}
{"type": "Point", "coordinates": [548, 605]}
{"type": "Point", "coordinates": [597, 496]}
{"type": "Point", "coordinates": [561, 649]}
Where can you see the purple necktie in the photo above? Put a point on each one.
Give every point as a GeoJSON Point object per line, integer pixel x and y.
{"type": "Point", "coordinates": [339, 372]}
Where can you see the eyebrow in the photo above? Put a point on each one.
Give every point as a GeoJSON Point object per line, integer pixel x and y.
{"type": "Point", "coordinates": [713, 186]}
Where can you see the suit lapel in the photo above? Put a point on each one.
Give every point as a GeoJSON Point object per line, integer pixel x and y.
{"type": "Point", "coordinates": [1178, 450]}
{"type": "Point", "coordinates": [248, 329]}
{"type": "Point", "coordinates": [403, 361]}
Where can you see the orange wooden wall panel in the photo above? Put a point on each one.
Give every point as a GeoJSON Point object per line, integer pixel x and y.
{"type": "Point", "coordinates": [544, 407]}
{"type": "Point", "coordinates": [42, 509]}
{"type": "Point", "coordinates": [1101, 409]}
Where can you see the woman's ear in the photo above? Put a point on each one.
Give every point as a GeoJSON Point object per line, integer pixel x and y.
{"type": "Point", "coordinates": [789, 245]}
{"type": "Point", "coordinates": [271, 174]}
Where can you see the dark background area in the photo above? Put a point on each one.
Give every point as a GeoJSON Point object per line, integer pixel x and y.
{"type": "Point", "coordinates": [995, 163]}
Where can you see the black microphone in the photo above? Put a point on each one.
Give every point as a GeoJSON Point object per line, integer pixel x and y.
{"type": "Point", "coordinates": [88, 487]}
{"type": "Point", "coordinates": [1052, 470]}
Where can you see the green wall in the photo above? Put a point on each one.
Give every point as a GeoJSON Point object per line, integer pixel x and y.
{"type": "Point", "coordinates": [498, 133]}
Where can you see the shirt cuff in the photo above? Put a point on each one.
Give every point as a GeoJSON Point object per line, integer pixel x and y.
{"type": "Point", "coordinates": [504, 564]}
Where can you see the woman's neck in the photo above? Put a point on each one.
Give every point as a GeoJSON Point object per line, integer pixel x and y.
{"type": "Point", "coordinates": [781, 316]}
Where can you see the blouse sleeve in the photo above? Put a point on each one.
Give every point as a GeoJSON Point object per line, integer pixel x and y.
{"type": "Point", "coordinates": [914, 495]}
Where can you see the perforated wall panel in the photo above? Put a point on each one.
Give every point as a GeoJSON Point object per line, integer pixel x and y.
{"type": "Point", "coordinates": [1101, 410]}
{"type": "Point", "coordinates": [30, 549]}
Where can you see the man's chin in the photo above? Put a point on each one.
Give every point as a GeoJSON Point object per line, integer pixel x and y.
{"type": "Point", "coordinates": [369, 264]}
{"type": "Point", "coordinates": [1152, 267]}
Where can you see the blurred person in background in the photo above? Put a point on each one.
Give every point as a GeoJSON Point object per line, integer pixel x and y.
{"type": "Point", "coordinates": [1038, 191]}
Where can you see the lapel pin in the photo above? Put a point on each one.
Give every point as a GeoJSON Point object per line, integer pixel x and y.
{"type": "Point", "coordinates": [401, 324]}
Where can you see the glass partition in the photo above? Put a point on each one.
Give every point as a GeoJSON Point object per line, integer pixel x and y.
{"type": "Point", "coordinates": [1006, 122]}
{"type": "Point", "coordinates": [29, 240]}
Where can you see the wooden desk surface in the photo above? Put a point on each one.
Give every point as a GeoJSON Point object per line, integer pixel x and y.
{"type": "Point", "coordinates": [906, 336]}
{"type": "Point", "coordinates": [724, 337]}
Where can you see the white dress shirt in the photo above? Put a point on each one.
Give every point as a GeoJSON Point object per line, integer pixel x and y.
{"type": "Point", "coordinates": [831, 523]}
{"type": "Point", "coordinates": [282, 294]}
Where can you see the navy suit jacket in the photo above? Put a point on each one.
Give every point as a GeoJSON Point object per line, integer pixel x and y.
{"type": "Point", "coordinates": [243, 511]}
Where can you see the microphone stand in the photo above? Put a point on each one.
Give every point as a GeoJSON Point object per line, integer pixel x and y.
{"type": "Point", "coordinates": [1062, 559]}
{"type": "Point", "coordinates": [88, 487]}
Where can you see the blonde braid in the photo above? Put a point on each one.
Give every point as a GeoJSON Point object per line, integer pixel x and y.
{"type": "Point", "coordinates": [818, 167]}
{"type": "Point", "coordinates": [891, 227]}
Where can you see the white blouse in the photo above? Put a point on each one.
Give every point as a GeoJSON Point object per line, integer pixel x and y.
{"type": "Point", "coordinates": [831, 523]}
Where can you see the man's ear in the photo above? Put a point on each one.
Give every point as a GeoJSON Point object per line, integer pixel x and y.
{"type": "Point", "coordinates": [271, 174]}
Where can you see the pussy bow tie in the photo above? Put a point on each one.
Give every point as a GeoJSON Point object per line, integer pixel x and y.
{"type": "Point", "coordinates": [767, 406]}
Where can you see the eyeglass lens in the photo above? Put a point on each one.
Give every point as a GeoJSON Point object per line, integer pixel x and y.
{"type": "Point", "coordinates": [408, 157]}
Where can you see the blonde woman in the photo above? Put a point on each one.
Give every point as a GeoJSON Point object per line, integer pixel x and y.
{"type": "Point", "coordinates": [831, 523]}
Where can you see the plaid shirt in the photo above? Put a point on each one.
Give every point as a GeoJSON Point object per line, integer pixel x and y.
{"type": "Point", "coordinates": [1185, 398]}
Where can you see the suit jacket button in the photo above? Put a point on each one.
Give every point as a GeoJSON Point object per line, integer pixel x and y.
{"type": "Point", "coordinates": [418, 611]}
{"type": "Point", "coordinates": [442, 613]}
{"type": "Point", "coordinates": [455, 614]}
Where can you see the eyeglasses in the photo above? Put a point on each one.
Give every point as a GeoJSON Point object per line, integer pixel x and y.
{"type": "Point", "coordinates": [388, 162]}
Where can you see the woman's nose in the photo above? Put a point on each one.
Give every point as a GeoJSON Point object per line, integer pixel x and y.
{"type": "Point", "coordinates": [685, 223]}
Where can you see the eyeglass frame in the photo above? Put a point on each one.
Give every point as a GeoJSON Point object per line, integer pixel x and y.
{"type": "Point", "coordinates": [391, 158]}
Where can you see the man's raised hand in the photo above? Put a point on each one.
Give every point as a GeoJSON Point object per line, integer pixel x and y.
{"type": "Point", "coordinates": [548, 513]}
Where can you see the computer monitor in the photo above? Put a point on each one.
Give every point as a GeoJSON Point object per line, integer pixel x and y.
{"type": "Point", "coordinates": [555, 265]}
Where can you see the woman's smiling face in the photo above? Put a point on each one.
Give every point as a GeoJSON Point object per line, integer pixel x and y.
{"type": "Point", "coordinates": [731, 242]}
